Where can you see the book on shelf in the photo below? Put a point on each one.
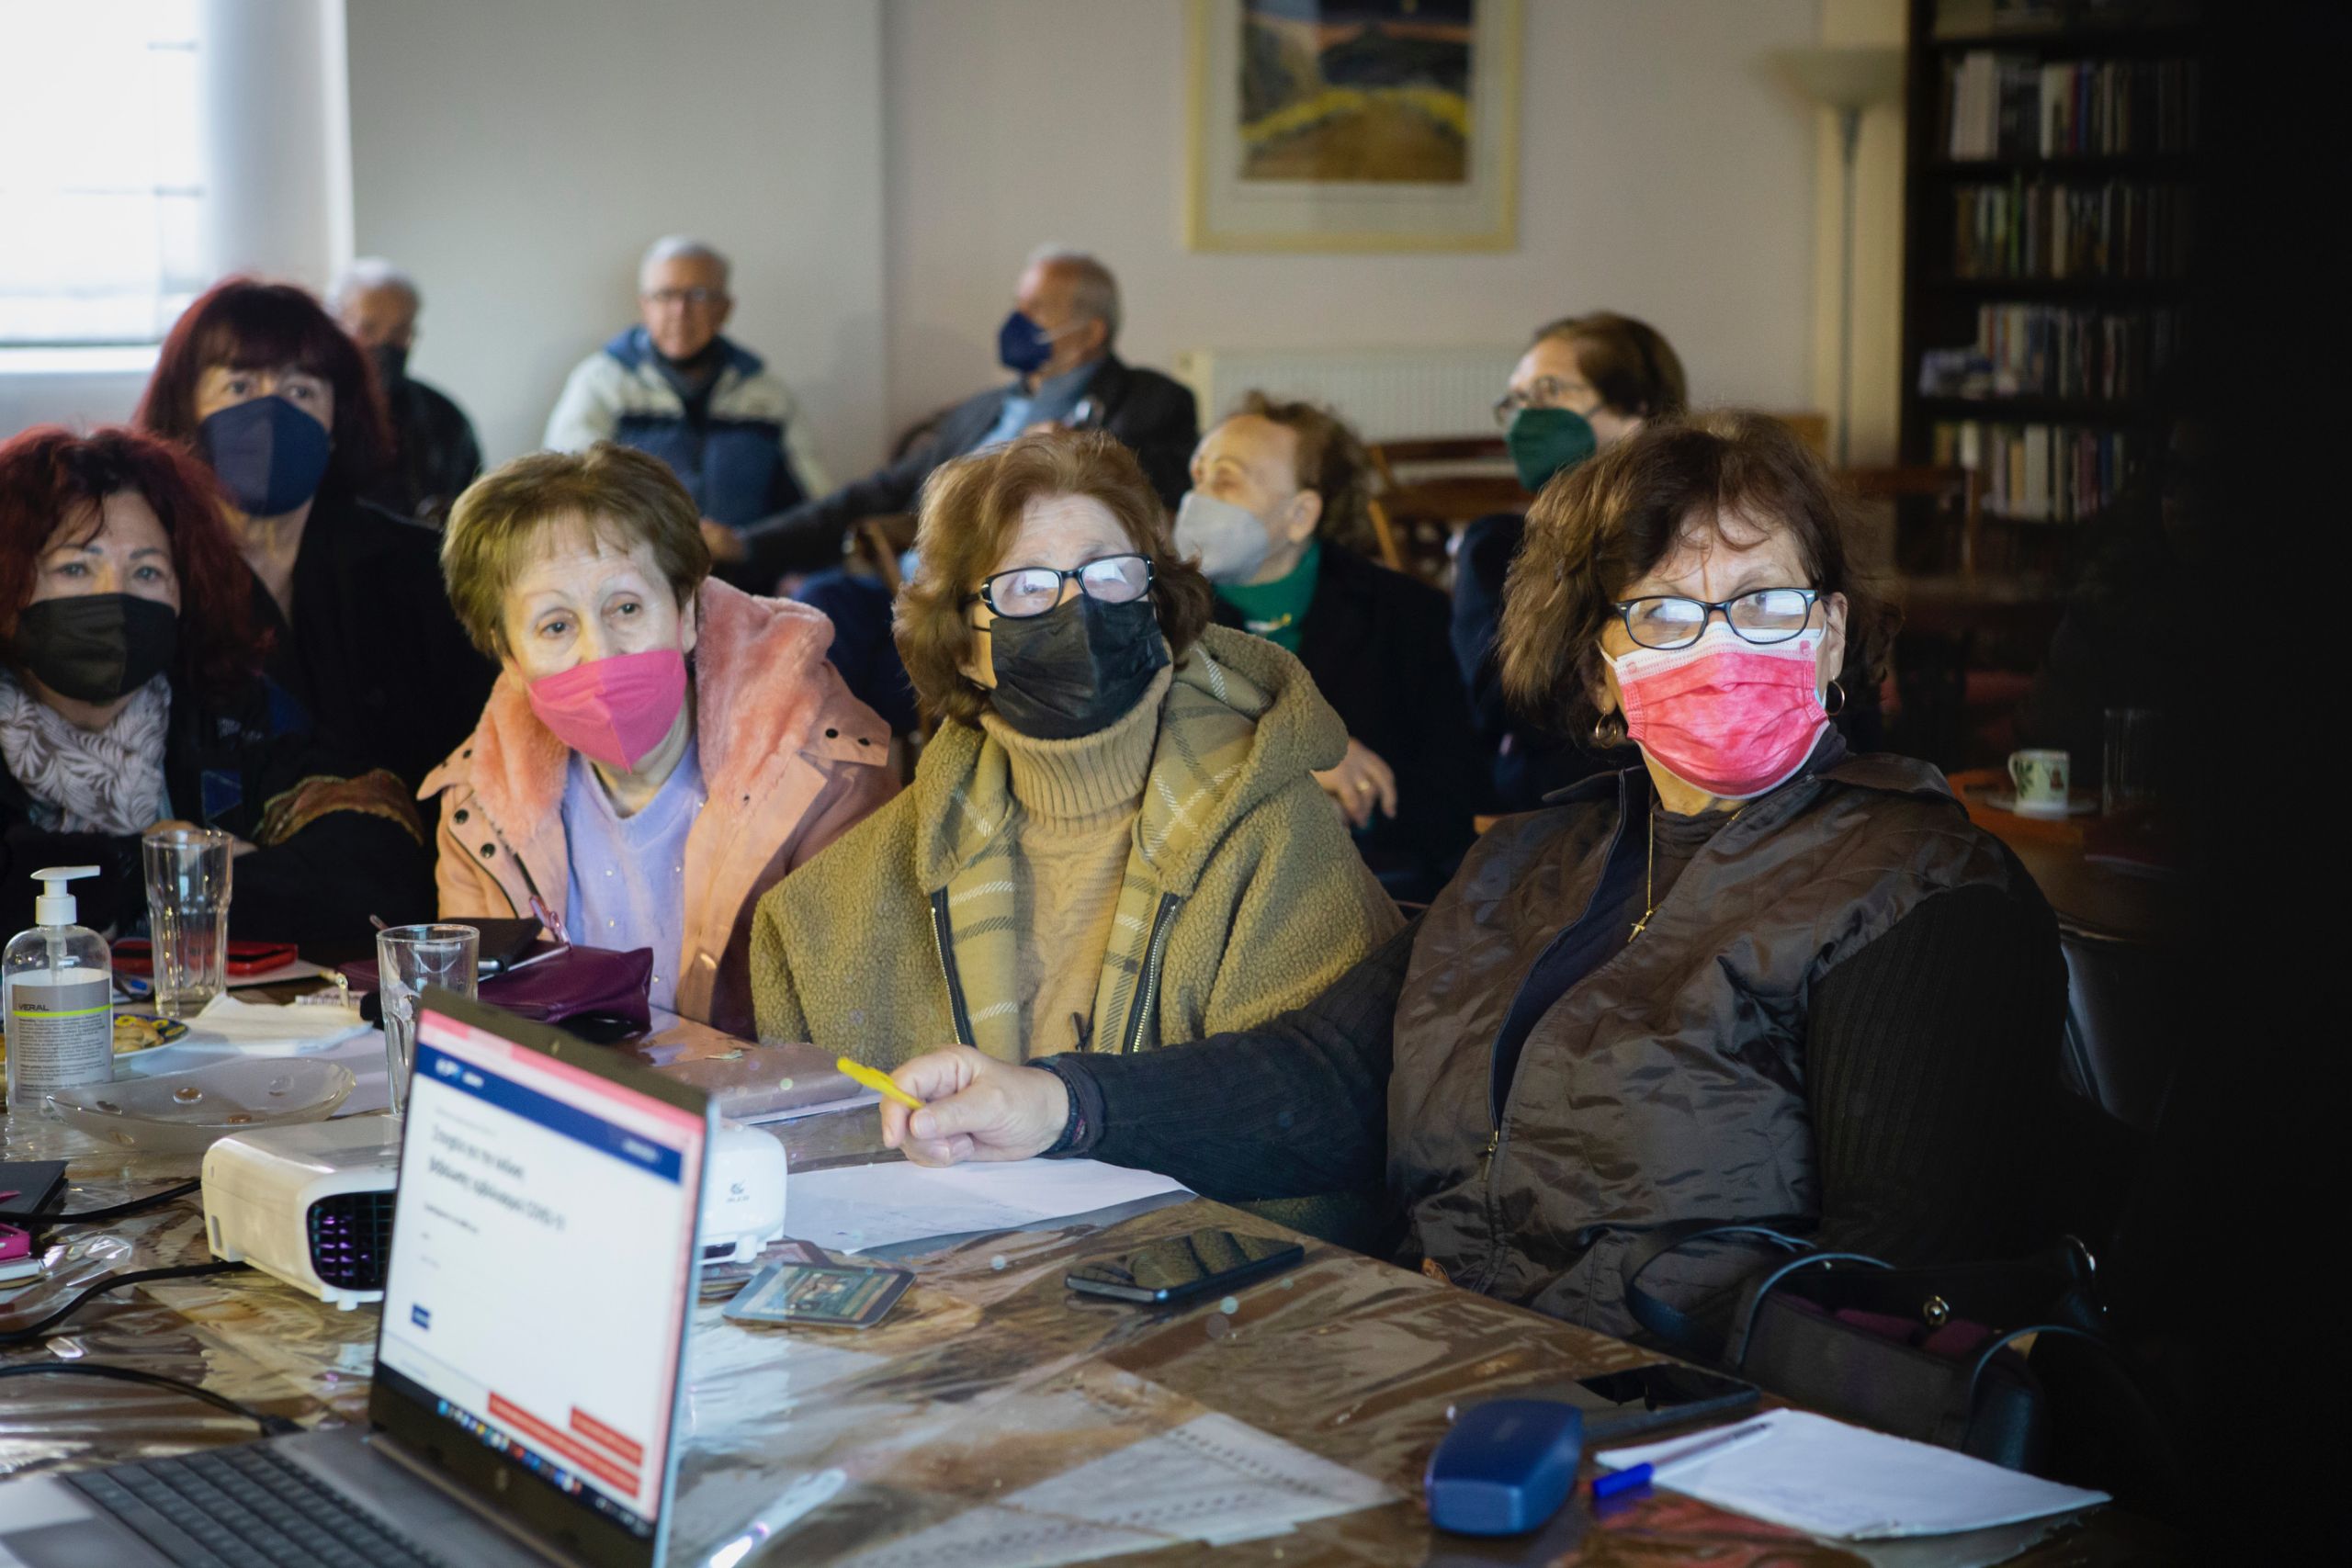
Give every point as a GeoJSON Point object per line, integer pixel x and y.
{"type": "Point", "coordinates": [2055, 351]}
{"type": "Point", "coordinates": [2058, 230]}
{"type": "Point", "coordinates": [1999, 106]}
{"type": "Point", "coordinates": [2039, 473]}
{"type": "Point", "coordinates": [1972, 18]}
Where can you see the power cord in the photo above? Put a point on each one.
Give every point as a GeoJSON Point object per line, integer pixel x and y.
{"type": "Point", "coordinates": [42, 1220]}
{"type": "Point", "coordinates": [271, 1426]}
{"type": "Point", "coordinates": [114, 1282]}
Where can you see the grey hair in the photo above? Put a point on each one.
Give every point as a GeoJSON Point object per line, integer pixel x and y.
{"type": "Point", "coordinates": [683, 247]}
{"type": "Point", "coordinates": [371, 272]}
{"type": "Point", "coordinates": [1097, 292]}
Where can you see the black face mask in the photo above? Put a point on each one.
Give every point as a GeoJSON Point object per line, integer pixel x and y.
{"type": "Point", "coordinates": [1076, 668]}
{"type": "Point", "coordinates": [391, 363]}
{"type": "Point", "coordinates": [97, 647]}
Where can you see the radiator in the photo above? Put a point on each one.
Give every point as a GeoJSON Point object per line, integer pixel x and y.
{"type": "Point", "coordinates": [1389, 394]}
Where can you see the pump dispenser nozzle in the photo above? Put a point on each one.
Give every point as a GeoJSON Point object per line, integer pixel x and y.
{"type": "Point", "coordinates": [55, 906]}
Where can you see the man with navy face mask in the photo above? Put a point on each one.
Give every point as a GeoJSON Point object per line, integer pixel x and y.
{"type": "Point", "coordinates": [1059, 344]}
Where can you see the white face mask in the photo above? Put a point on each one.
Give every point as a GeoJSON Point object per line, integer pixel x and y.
{"type": "Point", "coordinates": [1232, 541]}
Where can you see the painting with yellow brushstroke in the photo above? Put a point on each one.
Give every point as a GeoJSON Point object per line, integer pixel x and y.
{"type": "Point", "coordinates": [1356, 91]}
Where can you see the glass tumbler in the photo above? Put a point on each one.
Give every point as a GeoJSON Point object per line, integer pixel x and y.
{"type": "Point", "coordinates": [188, 915]}
{"type": "Point", "coordinates": [408, 959]}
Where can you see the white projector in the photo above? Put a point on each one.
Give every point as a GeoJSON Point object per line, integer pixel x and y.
{"type": "Point", "coordinates": [312, 1204]}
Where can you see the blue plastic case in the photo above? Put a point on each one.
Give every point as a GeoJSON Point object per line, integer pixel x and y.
{"type": "Point", "coordinates": [1505, 1468]}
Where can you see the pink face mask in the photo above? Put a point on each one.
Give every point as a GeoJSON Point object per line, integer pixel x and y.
{"type": "Point", "coordinates": [1724, 714]}
{"type": "Point", "coordinates": [615, 710]}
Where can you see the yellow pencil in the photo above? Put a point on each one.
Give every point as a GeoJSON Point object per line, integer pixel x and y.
{"type": "Point", "coordinates": [880, 1083]}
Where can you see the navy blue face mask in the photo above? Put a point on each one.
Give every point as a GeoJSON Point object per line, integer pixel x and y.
{"type": "Point", "coordinates": [1022, 345]}
{"type": "Point", "coordinates": [268, 454]}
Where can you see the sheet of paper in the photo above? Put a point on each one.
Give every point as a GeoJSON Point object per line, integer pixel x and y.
{"type": "Point", "coordinates": [1827, 1478]}
{"type": "Point", "coordinates": [852, 1208]}
{"type": "Point", "coordinates": [1213, 1479]}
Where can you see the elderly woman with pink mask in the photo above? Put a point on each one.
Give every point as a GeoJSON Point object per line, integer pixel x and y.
{"type": "Point", "coordinates": [660, 749]}
{"type": "Point", "coordinates": [1752, 978]}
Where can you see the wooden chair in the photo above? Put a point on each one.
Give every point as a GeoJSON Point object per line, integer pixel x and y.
{"type": "Point", "coordinates": [1426, 491]}
{"type": "Point", "coordinates": [1813, 429]}
{"type": "Point", "coordinates": [1956, 496]}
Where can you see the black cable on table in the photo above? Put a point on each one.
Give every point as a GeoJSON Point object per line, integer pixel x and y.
{"type": "Point", "coordinates": [114, 1282]}
{"type": "Point", "coordinates": [271, 1426]}
{"type": "Point", "coordinates": [42, 1220]}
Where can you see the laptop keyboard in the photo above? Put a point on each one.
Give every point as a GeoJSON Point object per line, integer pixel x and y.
{"type": "Point", "coordinates": [244, 1507]}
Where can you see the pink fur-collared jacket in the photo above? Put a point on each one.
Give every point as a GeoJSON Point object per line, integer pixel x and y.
{"type": "Point", "coordinates": [790, 760]}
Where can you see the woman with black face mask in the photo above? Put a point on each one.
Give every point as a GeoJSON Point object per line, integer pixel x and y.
{"type": "Point", "coordinates": [261, 384]}
{"type": "Point", "coordinates": [132, 697]}
{"type": "Point", "coordinates": [1114, 838]}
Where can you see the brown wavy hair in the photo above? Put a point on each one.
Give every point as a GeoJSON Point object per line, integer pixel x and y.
{"type": "Point", "coordinates": [973, 506]}
{"type": "Point", "coordinates": [1628, 362]}
{"type": "Point", "coordinates": [1601, 527]}
{"type": "Point", "coordinates": [1332, 464]}
{"type": "Point", "coordinates": [49, 474]}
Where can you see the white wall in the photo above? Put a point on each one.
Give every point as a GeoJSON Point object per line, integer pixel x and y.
{"type": "Point", "coordinates": [1666, 172]}
{"type": "Point", "coordinates": [517, 157]}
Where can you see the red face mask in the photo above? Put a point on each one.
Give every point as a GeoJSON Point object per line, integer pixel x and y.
{"type": "Point", "coordinates": [1724, 714]}
{"type": "Point", "coordinates": [615, 710]}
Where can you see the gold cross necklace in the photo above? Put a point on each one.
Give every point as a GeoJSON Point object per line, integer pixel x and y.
{"type": "Point", "coordinates": [1649, 881]}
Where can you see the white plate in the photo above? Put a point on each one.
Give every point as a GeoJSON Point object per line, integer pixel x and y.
{"type": "Point", "coordinates": [2005, 800]}
{"type": "Point", "coordinates": [186, 1113]}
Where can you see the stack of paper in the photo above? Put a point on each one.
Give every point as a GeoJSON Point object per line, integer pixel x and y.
{"type": "Point", "coordinates": [857, 1208]}
{"type": "Point", "coordinates": [1827, 1478]}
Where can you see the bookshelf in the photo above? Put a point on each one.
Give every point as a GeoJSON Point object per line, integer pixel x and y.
{"type": "Point", "coordinates": [2050, 214]}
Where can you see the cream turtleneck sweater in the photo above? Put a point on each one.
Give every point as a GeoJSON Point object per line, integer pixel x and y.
{"type": "Point", "coordinates": [1079, 800]}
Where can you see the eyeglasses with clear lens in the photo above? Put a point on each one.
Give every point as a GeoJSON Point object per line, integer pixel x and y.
{"type": "Point", "coordinates": [1544, 392]}
{"type": "Point", "coordinates": [1764, 616]}
{"type": "Point", "coordinates": [1028, 591]}
{"type": "Point", "coordinates": [696, 297]}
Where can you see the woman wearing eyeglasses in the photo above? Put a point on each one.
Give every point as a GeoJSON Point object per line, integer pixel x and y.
{"type": "Point", "coordinates": [1752, 978]}
{"type": "Point", "coordinates": [1114, 837]}
{"type": "Point", "coordinates": [1585, 383]}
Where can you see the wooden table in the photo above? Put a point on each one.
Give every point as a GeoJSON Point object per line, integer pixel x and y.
{"type": "Point", "coordinates": [2091, 899]}
{"type": "Point", "coordinates": [988, 1376]}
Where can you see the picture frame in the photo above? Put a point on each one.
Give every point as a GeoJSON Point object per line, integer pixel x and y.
{"type": "Point", "coordinates": [1353, 126]}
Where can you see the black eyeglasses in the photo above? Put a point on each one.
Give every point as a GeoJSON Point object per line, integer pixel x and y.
{"type": "Point", "coordinates": [1028, 591]}
{"type": "Point", "coordinates": [1545, 392]}
{"type": "Point", "coordinates": [1763, 615]}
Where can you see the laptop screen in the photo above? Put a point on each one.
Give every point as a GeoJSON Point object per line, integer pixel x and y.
{"type": "Point", "coordinates": [541, 1264]}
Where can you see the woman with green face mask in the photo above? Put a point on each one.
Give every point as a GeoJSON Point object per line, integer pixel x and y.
{"type": "Point", "coordinates": [1583, 383]}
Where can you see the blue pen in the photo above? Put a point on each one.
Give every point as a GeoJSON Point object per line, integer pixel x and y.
{"type": "Point", "coordinates": [1634, 1477]}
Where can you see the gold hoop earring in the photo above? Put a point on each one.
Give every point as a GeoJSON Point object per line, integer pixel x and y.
{"type": "Point", "coordinates": [1609, 731]}
{"type": "Point", "coordinates": [1828, 712]}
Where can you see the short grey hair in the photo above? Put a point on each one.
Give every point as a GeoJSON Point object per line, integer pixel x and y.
{"type": "Point", "coordinates": [371, 272]}
{"type": "Point", "coordinates": [683, 247]}
{"type": "Point", "coordinates": [1097, 292]}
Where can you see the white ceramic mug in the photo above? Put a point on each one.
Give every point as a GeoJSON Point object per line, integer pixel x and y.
{"type": "Point", "coordinates": [2041, 780]}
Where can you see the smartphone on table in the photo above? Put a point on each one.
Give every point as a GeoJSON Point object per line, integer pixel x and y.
{"type": "Point", "coordinates": [1665, 1393]}
{"type": "Point", "coordinates": [1184, 1267]}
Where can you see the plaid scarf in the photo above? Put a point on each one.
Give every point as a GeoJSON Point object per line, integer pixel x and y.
{"type": "Point", "coordinates": [80, 780]}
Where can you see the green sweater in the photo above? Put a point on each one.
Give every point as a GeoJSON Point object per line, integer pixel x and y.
{"type": "Point", "coordinates": [1243, 896]}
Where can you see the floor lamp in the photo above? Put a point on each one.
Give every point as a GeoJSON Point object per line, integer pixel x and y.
{"type": "Point", "coordinates": [1848, 81]}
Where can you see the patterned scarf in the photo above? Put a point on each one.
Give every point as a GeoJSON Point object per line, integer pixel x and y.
{"type": "Point", "coordinates": [109, 781]}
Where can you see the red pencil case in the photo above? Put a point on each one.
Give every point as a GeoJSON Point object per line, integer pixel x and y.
{"type": "Point", "coordinates": [136, 956]}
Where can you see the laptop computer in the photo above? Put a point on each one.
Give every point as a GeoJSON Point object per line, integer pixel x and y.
{"type": "Point", "coordinates": [542, 1272]}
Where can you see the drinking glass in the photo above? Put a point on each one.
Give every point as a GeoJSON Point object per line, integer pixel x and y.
{"type": "Point", "coordinates": [408, 959]}
{"type": "Point", "coordinates": [2129, 776]}
{"type": "Point", "coordinates": [188, 915]}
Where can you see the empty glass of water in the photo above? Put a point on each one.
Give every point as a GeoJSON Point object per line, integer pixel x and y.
{"type": "Point", "coordinates": [188, 915]}
{"type": "Point", "coordinates": [408, 959]}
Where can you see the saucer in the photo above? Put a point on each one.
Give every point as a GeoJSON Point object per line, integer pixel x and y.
{"type": "Point", "coordinates": [186, 1113]}
{"type": "Point", "coordinates": [2006, 800]}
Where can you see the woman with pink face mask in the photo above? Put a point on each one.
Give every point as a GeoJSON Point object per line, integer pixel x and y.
{"type": "Point", "coordinates": [1753, 979]}
{"type": "Point", "coordinates": [660, 749]}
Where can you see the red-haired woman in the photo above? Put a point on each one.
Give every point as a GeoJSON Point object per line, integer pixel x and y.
{"type": "Point", "coordinates": [131, 695]}
{"type": "Point", "coordinates": [261, 384]}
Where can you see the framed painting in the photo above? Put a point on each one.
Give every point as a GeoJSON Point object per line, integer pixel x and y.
{"type": "Point", "coordinates": [1353, 125]}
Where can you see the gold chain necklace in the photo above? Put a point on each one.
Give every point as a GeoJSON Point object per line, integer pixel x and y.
{"type": "Point", "coordinates": [1649, 881]}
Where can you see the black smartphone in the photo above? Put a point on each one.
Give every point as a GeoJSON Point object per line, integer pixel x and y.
{"type": "Point", "coordinates": [1184, 1267]}
{"type": "Point", "coordinates": [1665, 1394]}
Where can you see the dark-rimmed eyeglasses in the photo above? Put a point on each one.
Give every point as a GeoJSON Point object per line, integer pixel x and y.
{"type": "Point", "coordinates": [702, 298]}
{"type": "Point", "coordinates": [1543, 392]}
{"type": "Point", "coordinates": [1762, 615]}
{"type": "Point", "coordinates": [1028, 591]}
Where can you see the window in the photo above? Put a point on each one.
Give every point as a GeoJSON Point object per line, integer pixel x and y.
{"type": "Point", "coordinates": [101, 187]}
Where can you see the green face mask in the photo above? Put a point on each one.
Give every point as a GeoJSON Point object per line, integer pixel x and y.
{"type": "Point", "coordinates": [1543, 442]}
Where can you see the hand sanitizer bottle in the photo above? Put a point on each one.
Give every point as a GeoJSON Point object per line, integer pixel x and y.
{"type": "Point", "coordinates": [58, 980]}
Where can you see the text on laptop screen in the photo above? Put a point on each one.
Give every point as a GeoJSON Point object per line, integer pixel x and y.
{"type": "Point", "coordinates": [540, 1262]}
